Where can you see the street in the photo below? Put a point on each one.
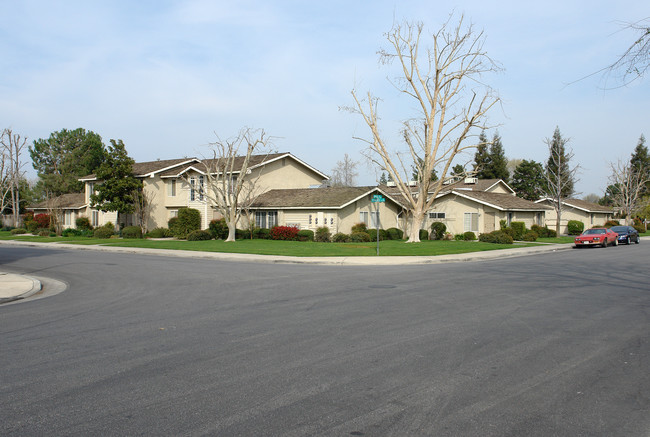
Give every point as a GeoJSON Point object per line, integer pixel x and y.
{"type": "Point", "coordinates": [548, 345]}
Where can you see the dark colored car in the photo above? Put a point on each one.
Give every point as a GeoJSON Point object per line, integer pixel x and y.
{"type": "Point", "coordinates": [596, 237]}
{"type": "Point", "coordinates": [626, 234]}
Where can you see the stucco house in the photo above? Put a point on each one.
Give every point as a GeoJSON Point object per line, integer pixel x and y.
{"type": "Point", "coordinates": [590, 214]}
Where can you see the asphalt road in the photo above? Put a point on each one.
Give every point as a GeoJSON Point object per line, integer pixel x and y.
{"type": "Point", "coordinates": [550, 345]}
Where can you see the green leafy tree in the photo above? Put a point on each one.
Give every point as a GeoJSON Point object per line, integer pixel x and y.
{"type": "Point", "coordinates": [640, 161]}
{"type": "Point", "coordinates": [497, 168]}
{"type": "Point", "coordinates": [528, 180]}
{"type": "Point", "coordinates": [117, 186]}
{"type": "Point", "coordinates": [64, 157]}
{"type": "Point", "coordinates": [482, 156]}
{"type": "Point", "coordinates": [458, 170]}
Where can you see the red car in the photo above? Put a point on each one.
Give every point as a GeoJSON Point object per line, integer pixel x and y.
{"type": "Point", "coordinates": [596, 237]}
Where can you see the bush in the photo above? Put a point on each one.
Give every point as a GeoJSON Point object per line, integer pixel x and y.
{"type": "Point", "coordinates": [218, 229]}
{"type": "Point", "coordinates": [543, 232]}
{"type": "Point", "coordinates": [159, 233]}
{"type": "Point", "coordinates": [360, 237]}
{"type": "Point", "coordinates": [575, 227]}
{"type": "Point", "coordinates": [395, 234]}
{"type": "Point", "coordinates": [519, 228]}
{"type": "Point", "coordinates": [448, 236]}
{"type": "Point", "coordinates": [496, 237]}
{"type": "Point", "coordinates": [305, 235]}
{"type": "Point", "coordinates": [261, 233]}
{"type": "Point", "coordinates": [70, 232]}
{"type": "Point", "coordinates": [287, 233]}
{"type": "Point", "coordinates": [340, 237]}
{"type": "Point", "coordinates": [383, 234]}
{"type": "Point", "coordinates": [469, 236]}
{"type": "Point", "coordinates": [509, 231]}
{"type": "Point", "coordinates": [43, 232]}
{"type": "Point", "coordinates": [360, 227]}
{"type": "Point", "coordinates": [132, 232]}
{"type": "Point", "coordinates": [424, 234]}
{"type": "Point", "coordinates": [188, 220]}
{"type": "Point", "coordinates": [487, 238]}
{"type": "Point", "coordinates": [83, 223]}
{"type": "Point", "coordinates": [438, 230]}
{"type": "Point", "coordinates": [199, 235]}
{"type": "Point", "coordinates": [18, 231]}
{"type": "Point", "coordinates": [530, 236]}
{"type": "Point", "coordinates": [503, 224]}
{"type": "Point", "coordinates": [42, 221]}
{"type": "Point", "coordinates": [242, 234]}
{"type": "Point", "coordinates": [323, 235]}
{"type": "Point", "coordinates": [103, 232]}
{"type": "Point", "coordinates": [639, 228]}
{"type": "Point", "coordinates": [459, 237]}
{"type": "Point", "coordinates": [610, 223]}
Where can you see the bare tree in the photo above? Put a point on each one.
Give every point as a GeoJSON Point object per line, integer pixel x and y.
{"type": "Point", "coordinates": [231, 180]}
{"type": "Point", "coordinates": [5, 180]}
{"type": "Point", "coordinates": [54, 210]}
{"type": "Point", "coordinates": [345, 174]}
{"type": "Point", "coordinates": [560, 177]}
{"type": "Point", "coordinates": [12, 147]}
{"type": "Point", "coordinates": [449, 110]}
{"type": "Point", "coordinates": [143, 201]}
{"type": "Point", "coordinates": [635, 61]}
{"type": "Point", "coordinates": [628, 185]}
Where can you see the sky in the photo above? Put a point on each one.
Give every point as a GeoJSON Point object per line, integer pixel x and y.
{"type": "Point", "coordinates": [168, 77]}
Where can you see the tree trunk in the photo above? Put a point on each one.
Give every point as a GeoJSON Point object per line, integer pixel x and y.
{"type": "Point", "coordinates": [231, 233]}
{"type": "Point", "coordinates": [414, 229]}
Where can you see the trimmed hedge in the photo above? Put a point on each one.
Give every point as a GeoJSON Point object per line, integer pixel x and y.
{"type": "Point", "coordinates": [469, 236]}
{"type": "Point", "coordinates": [424, 234]}
{"type": "Point", "coordinates": [159, 233]}
{"type": "Point", "coordinates": [70, 232]}
{"type": "Point", "coordinates": [218, 229]}
{"type": "Point", "coordinates": [383, 234]}
{"type": "Point", "coordinates": [530, 236]}
{"type": "Point", "coordinates": [103, 232]}
{"type": "Point", "coordinates": [575, 227]}
{"type": "Point", "coordinates": [496, 237]}
{"type": "Point", "coordinates": [340, 237]}
{"type": "Point", "coordinates": [395, 233]}
{"type": "Point", "coordinates": [519, 229]}
{"type": "Point", "coordinates": [18, 231]}
{"type": "Point", "coordinates": [199, 235]}
{"type": "Point", "coordinates": [360, 237]}
{"type": "Point", "coordinates": [188, 220]}
{"type": "Point", "coordinates": [305, 235]}
{"type": "Point", "coordinates": [438, 230]}
{"type": "Point", "coordinates": [132, 232]}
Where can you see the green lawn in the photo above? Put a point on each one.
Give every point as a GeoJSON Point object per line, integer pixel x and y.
{"type": "Point", "coordinates": [289, 248]}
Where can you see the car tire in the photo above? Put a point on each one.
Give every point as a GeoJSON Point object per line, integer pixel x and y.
{"type": "Point", "coordinates": [638, 240]}
{"type": "Point", "coordinates": [615, 243]}
{"type": "Point", "coordinates": [604, 243]}
{"type": "Point", "coordinates": [628, 241]}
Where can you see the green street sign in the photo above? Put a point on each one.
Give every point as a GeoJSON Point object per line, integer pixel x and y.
{"type": "Point", "coordinates": [378, 198]}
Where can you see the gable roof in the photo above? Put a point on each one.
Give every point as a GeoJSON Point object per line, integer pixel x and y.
{"type": "Point", "coordinates": [499, 201]}
{"type": "Point", "coordinates": [322, 198]}
{"type": "Point", "coordinates": [582, 205]}
{"type": "Point", "coordinates": [64, 201]}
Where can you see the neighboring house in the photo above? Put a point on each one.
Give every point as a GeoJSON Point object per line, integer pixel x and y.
{"type": "Point", "coordinates": [177, 183]}
{"type": "Point", "coordinates": [338, 208]}
{"type": "Point", "coordinates": [591, 214]}
{"type": "Point", "coordinates": [479, 205]}
{"type": "Point", "coordinates": [68, 207]}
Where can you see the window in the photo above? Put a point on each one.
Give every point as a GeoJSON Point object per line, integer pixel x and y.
{"type": "Point", "coordinates": [511, 215]}
{"type": "Point", "coordinates": [68, 218]}
{"type": "Point", "coordinates": [95, 218]}
{"type": "Point", "coordinates": [171, 187]}
{"type": "Point", "coordinates": [266, 219]}
{"type": "Point", "coordinates": [471, 221]}
{"type": "Point", "coordinates": [363, 217]}
{"type": "Point", "coordinates": [192, 189]}
{"type": "Point", "coordinates": [437, 215]}
{"type": "Point", "coordinates": [91, 189]}
{"type": "Point", "coordinates": [374, 220]}
{"type": "Point", "coordinates": [201, 183]}
{"type": "Point", "coordinates": [173, 213]}
{"type": "Point", "coordinates": [539, 219]}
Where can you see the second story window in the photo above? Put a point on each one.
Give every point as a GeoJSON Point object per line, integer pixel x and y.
{"type": "Point", "coordinates": [171, 188]}
{"type": "Point", "coordinates": [192, 189]}
{"type": "Point", "coordinates": [201, 183]}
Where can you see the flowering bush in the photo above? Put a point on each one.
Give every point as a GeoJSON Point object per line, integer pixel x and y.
{"type": "Point", "coordinates": [284, 233]}
{"type": "Point", "coordinates": [43, 220]}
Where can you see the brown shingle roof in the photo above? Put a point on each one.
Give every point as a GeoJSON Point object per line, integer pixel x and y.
{"type": "Point", "coordinates": [69, 201]}
{"type": "Point", "coordinates": [254, 161]}
{"type": "Point", "coordinates": [333, 197]}
{"type": "Point", "coordinates": [502, 201]}
{"type": "Point", "coordinates": [587, 206]}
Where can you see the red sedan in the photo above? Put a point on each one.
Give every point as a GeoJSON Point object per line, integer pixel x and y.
{"type": "Point", "coordinates": [596, 237]}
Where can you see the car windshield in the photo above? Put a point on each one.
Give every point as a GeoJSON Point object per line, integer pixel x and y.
{"type": "Point", "coordinates": [619, 228]}
{"type": "Point", "coordinates": [594, 231]}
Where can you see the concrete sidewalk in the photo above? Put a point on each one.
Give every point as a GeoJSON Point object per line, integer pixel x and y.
{"type": "Point", "coordinates": [14, 287]}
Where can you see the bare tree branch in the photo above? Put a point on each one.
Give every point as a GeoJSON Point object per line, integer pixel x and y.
{"type": "Point", "coordinates": [628, 185]}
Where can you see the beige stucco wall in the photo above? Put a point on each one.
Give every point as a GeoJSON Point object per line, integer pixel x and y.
{"type": "Point", "coordinates": [590, 220]}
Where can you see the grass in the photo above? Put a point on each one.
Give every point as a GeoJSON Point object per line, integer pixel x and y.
{"type": "Point", "coordinates": [288, 248]}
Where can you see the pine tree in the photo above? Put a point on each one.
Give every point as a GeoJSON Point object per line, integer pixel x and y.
{"type": "Point", "coordinates": [528, 180]}
{"type": "Point", "coordinates": [498, 165]}
{"type": "Point", "coordinates": [481, 156]}
{"type": "Point", "coordinates": [640, 160]}
{"type": "Point", "coordinates": [458, 170]}
{"type": "Point", "coordinates": [559, 175]}
{"type": "Point", "coordinates": [382, 179]}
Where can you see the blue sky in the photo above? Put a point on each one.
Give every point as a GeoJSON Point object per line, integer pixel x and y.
{"type": "Point", "coordinates": [165, 76]}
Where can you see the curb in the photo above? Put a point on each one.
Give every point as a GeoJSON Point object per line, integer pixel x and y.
{"type": "Point", "coordinates": [34, 287]}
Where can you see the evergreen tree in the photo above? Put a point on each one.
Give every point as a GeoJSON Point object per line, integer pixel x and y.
{"type": "Point", "coordinates": [118, 187]}
{"type": "Point", "coordinates": [497, 168]}
{"type": "Point", "coordinates": [640, 160]}
{"type": "Point", "coordinates": [458, 170]}
{"type": "Point", "coordinates": [383, 180]}
{"type": "Point", "coordinates": [558, 174]}
{"type": "Point", "coordinates": [528, 180]}
{"type": "Point", "coordinates": [481, 156]}
{"type": "Point", "coordinates": [64, 157]}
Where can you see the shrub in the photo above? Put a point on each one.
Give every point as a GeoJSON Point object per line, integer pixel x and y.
{"type": "Point", "coordinates": [487, 238]}
{"type": "Point", "coordinates": [43, 232]}
{"type": "Point", "coordinates": [639, 228]}
{"type": "Point", "coordinates": [383, 234]}
{"type": "Point", "coordinates": [610, 223]}
{"type": "Point", "coordinates": [543, 232]}
{"type": "Point", "coordinates": [340, 237]}
{"type": "Point", "coordinates": [323, 235]}
{"type": "Point", "coordinates": [438, 230]}
{"type": "Point", "coordinates": [242, 234]}
{"type": "Point", "coordinates": [496, 237]}
{"type": "Point", "coordinates": [199, 235]}
{"type": "Point", "coordinates": [395, 234]}
{"type": "Point", "coordinates": [360, 237]}
{"type": "Point", "coordinates": [188, 220]}
{"type": "Point", "coordinates": [448, 236]}
{"type": "Point", "coordinates": [159, 233]}
{"type": "Point", "coordinates": [261, 233]}
{"type": "Point", "coordinates": [18, 231]}
{"type": "Point", "coordinates": [70, 232]}
{"type": "Point", "coordinates": [469, 236]}
{"type": "Point", "coordinates": [7, 228]}
{"type": "Point", "coordinates": [503, 224]}
{"type": "Point", "coordinates": [171, 224]}
{"type": "Point", "coordinates": [519, 228]}
{"type": "Point", "coordinates": [132, 232]}
{"type": "Point", "coordinates": [360, 227]}
{"type": "Point", "coordinates": [530, 236]}
{"type": "Point", "coordinates": [511, 232]}
{"type": "Point", "coordinates": [287, 233]}
{"type": "Point", "coordinates": [575, 227]}
{"type": "Point", "coordinates": [305, 235]}
{"type": "Point", "coordinates": [42, 221]}
{"type": "Point", "coordinates": [218, 229]}
{"type": "Point", "coordinates": [459, 237]}
{"type": "Point", "coordinates": [83, 223]}
{"type": "Point", "coordinates": [424, 234]}
{"type": "Point", "coordinates": [103, 232]}
{"type": "Point", "coordinates": [552, 233]}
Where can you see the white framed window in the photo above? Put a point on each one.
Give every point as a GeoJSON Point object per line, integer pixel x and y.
{"type": "Point", "coordinates": [471, 221]}
{"type": "Point", "coordinates": [201, 185]}
{"type": "Point", "coordinates": [91, 189]}
{"type": "Point", "coordinates": [511, 216]}
{"type": "Point", "coordinates": [374, 220]}
{"type": "Point", "coordinates": [173, 213]}
{"type": "Point", "coordinates": [437, 215]}
{"type": "Point", "coordinates": [171, 188]}
{"type": "Point", "coordinates": [192, 189]}
{"type": "Point", "coordinates": [363, 217]}
{"type": "Point", "coordinates": [266, 219]}
{"type": "Point", "coordinates": [68, 218]}
{"type": "Point", "coordinates": [94, 218]}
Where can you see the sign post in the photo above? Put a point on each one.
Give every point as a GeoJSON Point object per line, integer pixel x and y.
{"type": "Point", "coordinates": [377, 198]}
